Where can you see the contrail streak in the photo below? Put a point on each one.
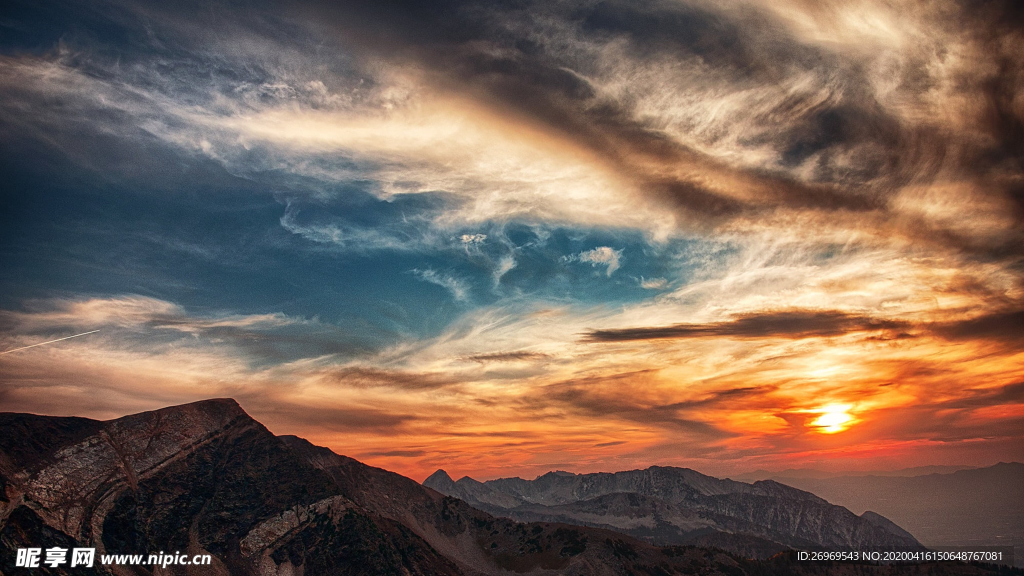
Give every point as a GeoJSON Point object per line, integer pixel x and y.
{"type": "Point", "coordinates": [47, 342]}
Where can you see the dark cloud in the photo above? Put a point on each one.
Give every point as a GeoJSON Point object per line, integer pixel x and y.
{"type": "Point", "coordinates": [999, 26]}
{"type": "Point", "coordinates": [280, 414]}
{"type": "Point", "coordinates": [272, 344]}
{"type": "Point", "coordinates": [998, 396]}
{"type": "Point", "coordinates": [497, 434]}
{"type": "Point", "coordinates": [528, 60]}
{"type": "Point", "coordinates": [1007, 326]}
{"type": "Point", "coordinates": [1002, 326]}
{"type": "Point", "coordinates": [953, 420]}
{"type": "Point", "coordinates": [394, 454]}
{"type": "Point", "coordinates": [509, 54]}
{"type": "Point", "coordinates": [784, 324]}
{"type": "Point", "coordinates": [365, 377]}
{"type": "Point", "coordinates": [658, 27]}
{"type": "Point", "coordinates": [488, 52]}
{"type": "Point", "coordinates": [729, 397]}
{"type": "Point", "coordinates": [507, 356]}
{"type": "Point", "coordinates": [609, 396]}
{"type": "Point", "coordinates": [128, 174]}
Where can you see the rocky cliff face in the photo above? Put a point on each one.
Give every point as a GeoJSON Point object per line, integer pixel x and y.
{"type": "Point", "coordinates": [206, 478]}
{"type": "Point", "coordinates": [200, 478]}
{"type": "Point", "coordinates": [668, 505]}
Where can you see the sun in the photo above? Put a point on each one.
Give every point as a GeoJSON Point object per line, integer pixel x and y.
{"type": "Point", "coordinates": [834, 418]}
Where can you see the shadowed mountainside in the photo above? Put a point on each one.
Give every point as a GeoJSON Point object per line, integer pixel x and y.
{"type": "Point", "coordinates": [207, 478]}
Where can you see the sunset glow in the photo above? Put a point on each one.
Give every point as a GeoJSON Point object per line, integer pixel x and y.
{"type": "Point", "coordinates": [834, 418]}
{"type": "Point", "coordinates": [511, 239]}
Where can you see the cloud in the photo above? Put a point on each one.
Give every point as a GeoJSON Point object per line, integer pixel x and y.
{"type": "Point", "coordinates": [653, 283]}
{"type": "Point", "coordinates": [723, 397]}
{"type": "Point", "coordinates": [783, 324]}
{"type": "Point", "coordinates": [791, 115]}
{"type": "Point", "coordinates": [620, 396]}
{"type": "Point", "coordinates": [333, 419]}
{"type": "Point", "coordinates": [370, 377]}
{"type": "Point", "coordinates": [395, 454]}
{"type": "Point", "coordinates": [124, 311]}
{"type": "Point", "coordinates": [140, 321]}
{"type": "Point", "coordinates": [600, 256]}
{"type": "Point", "coordinates": [515, 356]}
{"type": "Point", "coordinates": [1001, 326]}
{"type": "Point", "coordinates": [457, 287]}
{"type": "Point", "coordinates": [581, 114]}
{"type": "Point", "coordinates": [505, 265]}
{"type": "Point", "coordinates": [823, 198]}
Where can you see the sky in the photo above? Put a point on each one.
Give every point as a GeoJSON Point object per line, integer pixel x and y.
{"type": "Point", "coordinates": [503, 238]}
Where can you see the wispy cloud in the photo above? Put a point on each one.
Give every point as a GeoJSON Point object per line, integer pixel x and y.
{"type": "Point", "coordinates": [814, 203]}
{"type": "Point", "coordinates": [458, 288]}
{"type": "Point", "coordinates": [516, 356]}
{"type": "Point", "coordinates": [783, 324]}
{"type": "Point", "coordinates": [505, 265]}
{"type": "Point", "coordinates": [472, 238]}
{"type": "Point", "coordinates": [141, 322]}
{"type": "Point", "coordinates": [653, 283]}
{"type": "Point", "coordinates": [600, 256]}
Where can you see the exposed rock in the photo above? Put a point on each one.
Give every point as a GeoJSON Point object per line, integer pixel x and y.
{"type": "Point", "coordinates": [201, 478]}
{"type": "Point", "coordinates": [666, 505]}
{"type": "Point", "coordinates": [206, 478]}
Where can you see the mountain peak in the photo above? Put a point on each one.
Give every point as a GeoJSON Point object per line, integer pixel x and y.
{"type": "Point", "coordinates": [222, 407]}
{"type": "Point", "coordinates": [224, 404]}
{"type": "Point", "coordinates": [680, 501]}
{"type": "Point", "coordinates": [253, 484]}
{"type": "Point", "coordinates": [556, 474]}
{"type": "Point", "coordinates": [439, 478]}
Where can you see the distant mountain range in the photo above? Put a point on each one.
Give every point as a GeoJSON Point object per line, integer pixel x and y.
{"type": "Point", "coordinates": [673, 506]}
{"type": "Point", "coordinates": [206, 478]}
{"type": "Point", "coordinates": [983, 506]}
{"type": "Point", "coordinates": [815, 473]}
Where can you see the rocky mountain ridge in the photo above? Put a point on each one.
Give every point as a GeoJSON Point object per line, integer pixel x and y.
{"type": "Point", "coordinates": [205, 478]}
{"type": "Point", "coordinates": [666, 505]}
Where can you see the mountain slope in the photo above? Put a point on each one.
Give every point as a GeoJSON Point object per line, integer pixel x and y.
{"type": "Point", "coordinates": [201, 478]}
{"type": "Point", "coordinates": [667, 505]}
{"type": "Point", "coordinates": [480, 540]}
{"type": "Point", "coordinates": [207, 478]}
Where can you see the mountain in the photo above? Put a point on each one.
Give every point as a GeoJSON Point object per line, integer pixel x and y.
{"type": "Point", "coordinates": [206, 478]}
{"type": "Point", "coordinates": [673, 506]}
{"type": "Point", "coordinates": [200, 478]}
{"type": "Point", "coordinates": [982, 506]}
